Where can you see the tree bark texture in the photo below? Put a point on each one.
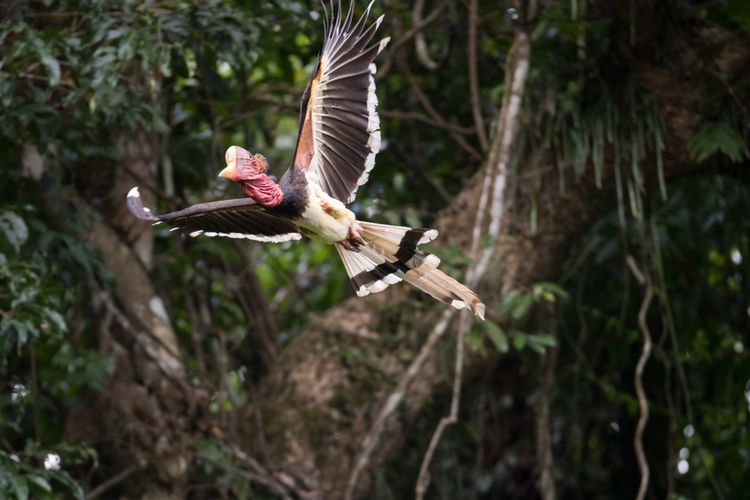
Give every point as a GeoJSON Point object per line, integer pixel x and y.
{"type": "Point", "coordinates": [149, 410]}
{"type": "Point", "coordinates": [325, 388]}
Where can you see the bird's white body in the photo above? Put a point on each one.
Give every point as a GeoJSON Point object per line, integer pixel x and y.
{"type": "Point", "coordinates": [325, 218]}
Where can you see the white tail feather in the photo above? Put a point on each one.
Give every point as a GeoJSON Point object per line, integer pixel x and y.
{"type": "Point", "coordinates": [391, 254]}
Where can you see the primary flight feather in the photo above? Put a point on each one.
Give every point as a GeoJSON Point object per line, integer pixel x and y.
{"type": "Point", "coordinates": [339, 136]}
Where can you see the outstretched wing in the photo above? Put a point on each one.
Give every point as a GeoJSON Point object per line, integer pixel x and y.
{"type": "Point", "coordinates": [339, 125]}
{"type": "Point", "coordinates": [238, 218]}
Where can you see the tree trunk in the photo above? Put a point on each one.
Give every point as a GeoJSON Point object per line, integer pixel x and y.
{"type": "Point", "coordinates": [148, 411]}
{"type": "Point", "coordinates": [325, 388]}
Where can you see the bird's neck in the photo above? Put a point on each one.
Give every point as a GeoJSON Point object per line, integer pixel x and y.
{"type": "Point", "coordinates": [263, 190]}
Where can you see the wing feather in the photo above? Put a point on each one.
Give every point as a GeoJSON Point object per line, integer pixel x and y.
{"type": "Point", "coordinates": [339, 125]}
{"type": "Point", "coordinates": [238, 218]}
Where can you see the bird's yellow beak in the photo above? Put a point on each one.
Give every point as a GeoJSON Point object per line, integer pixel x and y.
{"type": "Point", "coordinates": [228, 172]}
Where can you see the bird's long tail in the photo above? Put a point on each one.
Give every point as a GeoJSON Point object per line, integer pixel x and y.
{"type": "Point", "coordinates": [392, 254]}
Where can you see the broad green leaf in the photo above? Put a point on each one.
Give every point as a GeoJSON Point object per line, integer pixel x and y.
{"type": "Point", "coordinates": [508, 302]}
{"type": "Point", "coordinates": [540, 341]}
{"type": "Point", "coordinates": [544, 339]}
{"type": "Point", "coordinates": [40, 482]}
{"type": "Point", "coordinates": [474, 338]}
{"type": "Point", "coordinates": [53, 68]}
{"type": "Point", "coordinates": [20, 487]}
{"type": "Point", "coordinates": [64, 478]}
{"type": "Point", "coordinates": [538, 348]}
{"type": "Point", "coordinates": [519, 340]}
{"type": "Point", "coordinates": [545, 289]}
{"type": "Point", "coordinates": [714, 138]}
{"type": "Point", "coordinates": [57, 319]}
{"type": "Point", "coordinates": [522, 306]}
{"type": "Point", "coordinates": [497, 336]}
{"type": "Point", "coordinates": [14, 228]}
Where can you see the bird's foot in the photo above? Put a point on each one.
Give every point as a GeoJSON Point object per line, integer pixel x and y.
{"type": "Point", "coordinates": [353, 240]}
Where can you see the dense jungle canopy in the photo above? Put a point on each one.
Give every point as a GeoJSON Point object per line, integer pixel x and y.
{"type": "Point", "coordinates": [587, 163]}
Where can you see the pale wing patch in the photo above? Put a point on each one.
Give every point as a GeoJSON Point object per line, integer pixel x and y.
{"type": "Point", "coordinates": [254, 237]}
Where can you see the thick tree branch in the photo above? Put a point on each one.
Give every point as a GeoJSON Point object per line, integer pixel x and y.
{"type": "Point", "coordinates": [149, 389]}
{"type": "Point", "coordinates": [497, 171]}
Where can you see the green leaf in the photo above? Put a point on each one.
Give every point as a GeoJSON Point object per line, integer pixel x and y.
{"type": "Point", "coordinates": [523, 305]}
{"type": "Point", "coordinates": [40, 482]}
{"type": "Point", "coordinates": [540, 341]}
{"type": "Point", "coordinates": [496, 335]}
{"type": "Point", "coordinates": [19, 487]}
{"type": "Point", "coordinates": [475, 338]}
{"type": "Point", "coordinates": [53, 68]}
{"type": "Point", "coordinates": [519, 340]}
{"type": "Point", "coordinates": [56, 319]}
{"type": "Point", "coordinates": [538, 348]}
{"type": "Point", "coordinates": [548, 291]}
{"type": "Point", "coordinates": [64, 478]}
{"type": "Point", "coordinates": [14, 228]}
{"type": "Point", "coordinates": [714, 138]}
{"type": "Point", "coordinates": [508, 302]}
{"type": "Point", "coordinates": [545, 339]}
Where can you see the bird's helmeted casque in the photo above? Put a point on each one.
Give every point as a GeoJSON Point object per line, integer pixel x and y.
{"type": "Point", "coordinates": [338, 139]}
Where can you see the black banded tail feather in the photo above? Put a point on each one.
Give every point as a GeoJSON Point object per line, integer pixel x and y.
{"type": "Point", "coordinates": [397, 239]}
{"type": "Point", "coordinates": [238, 218]}
{"type": "Point", "coordinates": [392, 254]}
{"type": "Point", "coordinates": [368, 275]}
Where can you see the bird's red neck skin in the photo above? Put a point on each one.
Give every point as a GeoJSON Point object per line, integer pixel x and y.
{"type": "Point", "coordinates": [263, 189]}
{"type": "Point", "coordinates": [249, 171]}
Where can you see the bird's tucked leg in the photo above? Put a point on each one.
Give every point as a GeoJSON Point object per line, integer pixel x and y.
{"type": "Point", "coordinates": [353, 240]}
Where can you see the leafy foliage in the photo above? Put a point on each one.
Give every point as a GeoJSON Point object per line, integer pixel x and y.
{"type": "Point", "coordinates": [714, 138]}
{"type": "Point", "coordinates": [581, 119]}
{"type": "Point", "coordinates": [513, 309]}
{"type": "Point", "coordinates": [21, 479]}
{"type": "Point", "coordinates": [30, 307]}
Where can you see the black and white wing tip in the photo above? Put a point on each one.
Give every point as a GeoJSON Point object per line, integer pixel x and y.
{"type": "Point", "coordinates": [135, 204]}
{"type": "Point", "coordinates": [237, 219]}
{"type": "Point", "coordinates": [340, 127]}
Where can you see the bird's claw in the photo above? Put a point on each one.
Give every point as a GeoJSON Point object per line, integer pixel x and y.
{"type": "Point", "coordinates": [353, 240]}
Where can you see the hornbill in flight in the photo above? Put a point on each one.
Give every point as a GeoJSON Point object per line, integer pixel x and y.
{"type": "Point", "coordinates": [339, 136]}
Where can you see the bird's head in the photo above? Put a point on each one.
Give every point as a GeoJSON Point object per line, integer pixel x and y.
{"type": "Point", "coordinates": [242, 165]}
